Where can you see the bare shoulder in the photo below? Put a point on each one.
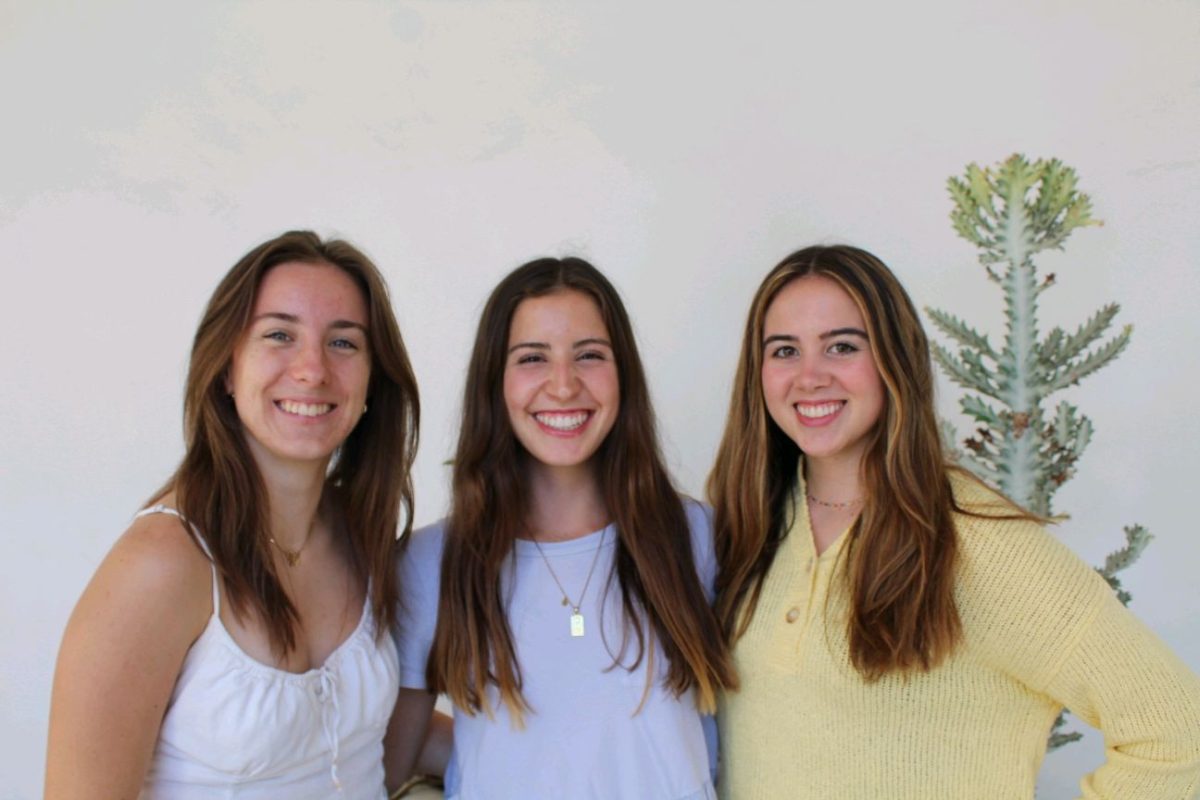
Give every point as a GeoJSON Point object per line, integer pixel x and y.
{"type": "Point", "coordinates": [121, 654]}
{"type": "Point", "coordinates": [159, 552]}
{"type": "Point", "coordinates": [155, 567]}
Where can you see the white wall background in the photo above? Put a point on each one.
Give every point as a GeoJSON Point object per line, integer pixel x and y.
{"type": "Point", "coordinates": [684, 149]}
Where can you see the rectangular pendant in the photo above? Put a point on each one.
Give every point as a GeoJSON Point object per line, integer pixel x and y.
{"type": "Point", "coordinates": [577, 624]}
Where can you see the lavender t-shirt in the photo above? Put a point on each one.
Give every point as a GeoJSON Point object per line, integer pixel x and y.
{"type": "Point", "coordinates": [582, 739]}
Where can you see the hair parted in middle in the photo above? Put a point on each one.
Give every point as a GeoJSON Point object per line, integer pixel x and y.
{"type": "Point", "coordinates": [218, 484]}
{"type": "Point", "coordinates": [902, 549]}
{"type": "Point", "coordinates": [661, 594]}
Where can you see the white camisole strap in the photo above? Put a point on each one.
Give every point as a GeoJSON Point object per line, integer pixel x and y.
{"type": "Point", "coordinates": [162, 509]}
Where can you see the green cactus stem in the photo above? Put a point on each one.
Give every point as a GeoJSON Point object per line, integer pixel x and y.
{"type": "Point", "coordinates": [1010, 213]}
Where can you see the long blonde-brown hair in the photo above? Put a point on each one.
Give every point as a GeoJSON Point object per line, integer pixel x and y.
{"type": "Point", "coordinates": [902, 549]}
{"type": "Point", "coordinates": [218, 486]}
{"type": "Point", "coordinates": [660, 592]}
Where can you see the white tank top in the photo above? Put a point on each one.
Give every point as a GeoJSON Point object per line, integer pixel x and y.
{"type": "Point", "coordinates": [237, 728]}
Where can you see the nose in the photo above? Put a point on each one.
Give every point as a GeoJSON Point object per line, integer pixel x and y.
{"type": "Point", "coordinates": [308, 365]}
{"type": "Point", "coordinates": [562, 383]}
{"type": "Point", "coordinates": [811, 373]}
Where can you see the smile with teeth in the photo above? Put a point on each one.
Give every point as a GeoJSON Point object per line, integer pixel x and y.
{"type": "Point", "coordinates": [304, 409]}
{"type": "Point", "coordinates": [562, 421]}
{"type": "Point", "coordinates": [821, 410]}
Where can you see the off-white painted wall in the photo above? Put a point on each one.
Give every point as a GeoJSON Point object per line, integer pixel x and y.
{"type": "Point", "coordinates": [683, 148]}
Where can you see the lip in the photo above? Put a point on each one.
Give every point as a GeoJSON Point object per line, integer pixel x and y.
{"type": "Point", "coordinates": [565, 423]}
{"type": "Point", "coordinates": [828, 410]}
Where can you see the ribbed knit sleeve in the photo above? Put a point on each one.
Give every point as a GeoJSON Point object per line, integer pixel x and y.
{"type": "Point", "coordinates": [1024, 598]}
{"type": "Point", "coordinates": [1122, 679]}
{"type": "Point", "coordinates": [1037, 612]}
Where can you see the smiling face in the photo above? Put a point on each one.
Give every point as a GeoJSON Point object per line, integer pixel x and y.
{"type": "Point", "coordinates": [819, 378]}
{"type": "Point", "coordinates": [300, 371]}
{"type": "Point", "coordinates": [561, 387]}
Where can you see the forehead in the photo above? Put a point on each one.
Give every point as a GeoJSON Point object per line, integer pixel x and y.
{"type": "Point", "coordinates": [812, 303]}
{"type": "Point", "coordinates": [318, 291]}
{"type": "Point", "coordinates": [564, 313]}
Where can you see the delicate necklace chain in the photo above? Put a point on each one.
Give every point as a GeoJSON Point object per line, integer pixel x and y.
{"type": "Point", "coordinates": [848, 504]}
{"type": "Point", "coordinates": [292, 557]}
{"type": "Point", "coordinates": [576, 615]}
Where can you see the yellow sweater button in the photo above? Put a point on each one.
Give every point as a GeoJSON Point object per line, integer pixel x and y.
{"type": "Point", "coordinates": [793, 614]}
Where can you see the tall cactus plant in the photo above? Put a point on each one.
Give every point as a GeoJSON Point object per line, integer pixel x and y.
{"type": "Point", "coordinates": [1011, 212]}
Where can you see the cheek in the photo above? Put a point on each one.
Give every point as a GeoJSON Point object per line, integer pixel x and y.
{"type": "Point", "coordinates": [357, 378]}
{"type": "Point", "coordinates": [776, 382]}
{"type": "Point", "coordinates": [612, 389]}
{"type": "Point", "coordinates": [239, 374]}
{"type": "Point", "coordinates": [513, 395]}
{"type": "Point", "coordinates": [868, 381]}
{"type": "Point", "coordinates": [870, 386]}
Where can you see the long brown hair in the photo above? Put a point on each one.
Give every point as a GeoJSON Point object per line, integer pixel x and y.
{"type": "Point", "coordinates": [473, 645]}
{"type": "Point", "coordinates": [218, 485]}
{"type": "Point", "coordinates": [902, 549]}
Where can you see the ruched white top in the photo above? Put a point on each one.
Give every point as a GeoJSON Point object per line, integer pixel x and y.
{"type": "Point", "coordinates": [237, 728]}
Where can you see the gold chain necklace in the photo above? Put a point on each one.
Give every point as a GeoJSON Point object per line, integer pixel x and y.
{"type": "Point", "coordinates": [576, 615]}
{"type": "Point", "coordinates": [848, 504]}
{"type": "Point", "coordinates": [292, 557]}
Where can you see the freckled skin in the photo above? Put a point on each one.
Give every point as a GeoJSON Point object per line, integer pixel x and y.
{"type": "Point", "coordinates": [310, 358]}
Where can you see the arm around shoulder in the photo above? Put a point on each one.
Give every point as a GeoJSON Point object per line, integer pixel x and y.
{"type": "Point", "coordinates": [120, 656]}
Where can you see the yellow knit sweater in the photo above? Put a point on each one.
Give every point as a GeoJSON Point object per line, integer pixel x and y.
{"type": "Point", "coordinates": [1040, 630]}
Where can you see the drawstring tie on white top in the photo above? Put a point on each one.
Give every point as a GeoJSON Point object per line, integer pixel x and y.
{"type": "Point", "coordinates": [330, 719]}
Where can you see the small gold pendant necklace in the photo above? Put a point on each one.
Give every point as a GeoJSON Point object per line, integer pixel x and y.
{"type": "Point", "coordinates": [576, 614]}
{"type": "Point", "coordinates": [292, 557]}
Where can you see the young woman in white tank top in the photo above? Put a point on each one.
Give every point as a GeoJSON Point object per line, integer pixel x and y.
{"type": "Point", "coordinates": [236, 641]}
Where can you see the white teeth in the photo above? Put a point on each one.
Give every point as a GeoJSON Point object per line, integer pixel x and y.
{"type": "Point", "coordinates": [562, 422]}
{"type": "Point", "coordinates": [813, 412]}
{"type": "Point", "coordinates": [305, 409]}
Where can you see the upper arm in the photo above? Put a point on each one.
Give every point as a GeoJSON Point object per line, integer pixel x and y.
{"type": "Point", "coordinates": [700, 523]}
{"type": "Point", "coordinates": [120, 655]}
{"type": "Point", "coordinates": [418, 580]}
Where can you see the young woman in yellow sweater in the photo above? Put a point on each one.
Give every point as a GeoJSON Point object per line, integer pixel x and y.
{"type": "Point", "coordinates": [901, 631]}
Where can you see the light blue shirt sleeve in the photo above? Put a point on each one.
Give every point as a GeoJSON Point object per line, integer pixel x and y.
{"type": "Point", "coordinates": [419, 578]}
{"type": "Point", "coordinates": [700, 523]}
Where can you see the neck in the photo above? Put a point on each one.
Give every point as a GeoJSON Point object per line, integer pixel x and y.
{"type": "Point", "coordinates": [294, 493]}
{"type": "Point", "coordinates": [834, 480]}
{"type": "Point", "coordinates": [565, 502]}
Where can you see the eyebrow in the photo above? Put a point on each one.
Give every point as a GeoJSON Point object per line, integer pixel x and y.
{"type": "Point", "coordinates": [784, 337]}
{"type": "Point", "coordinates": [544, 346]}
{"type": "Point", "coordinates": [337, 324]}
